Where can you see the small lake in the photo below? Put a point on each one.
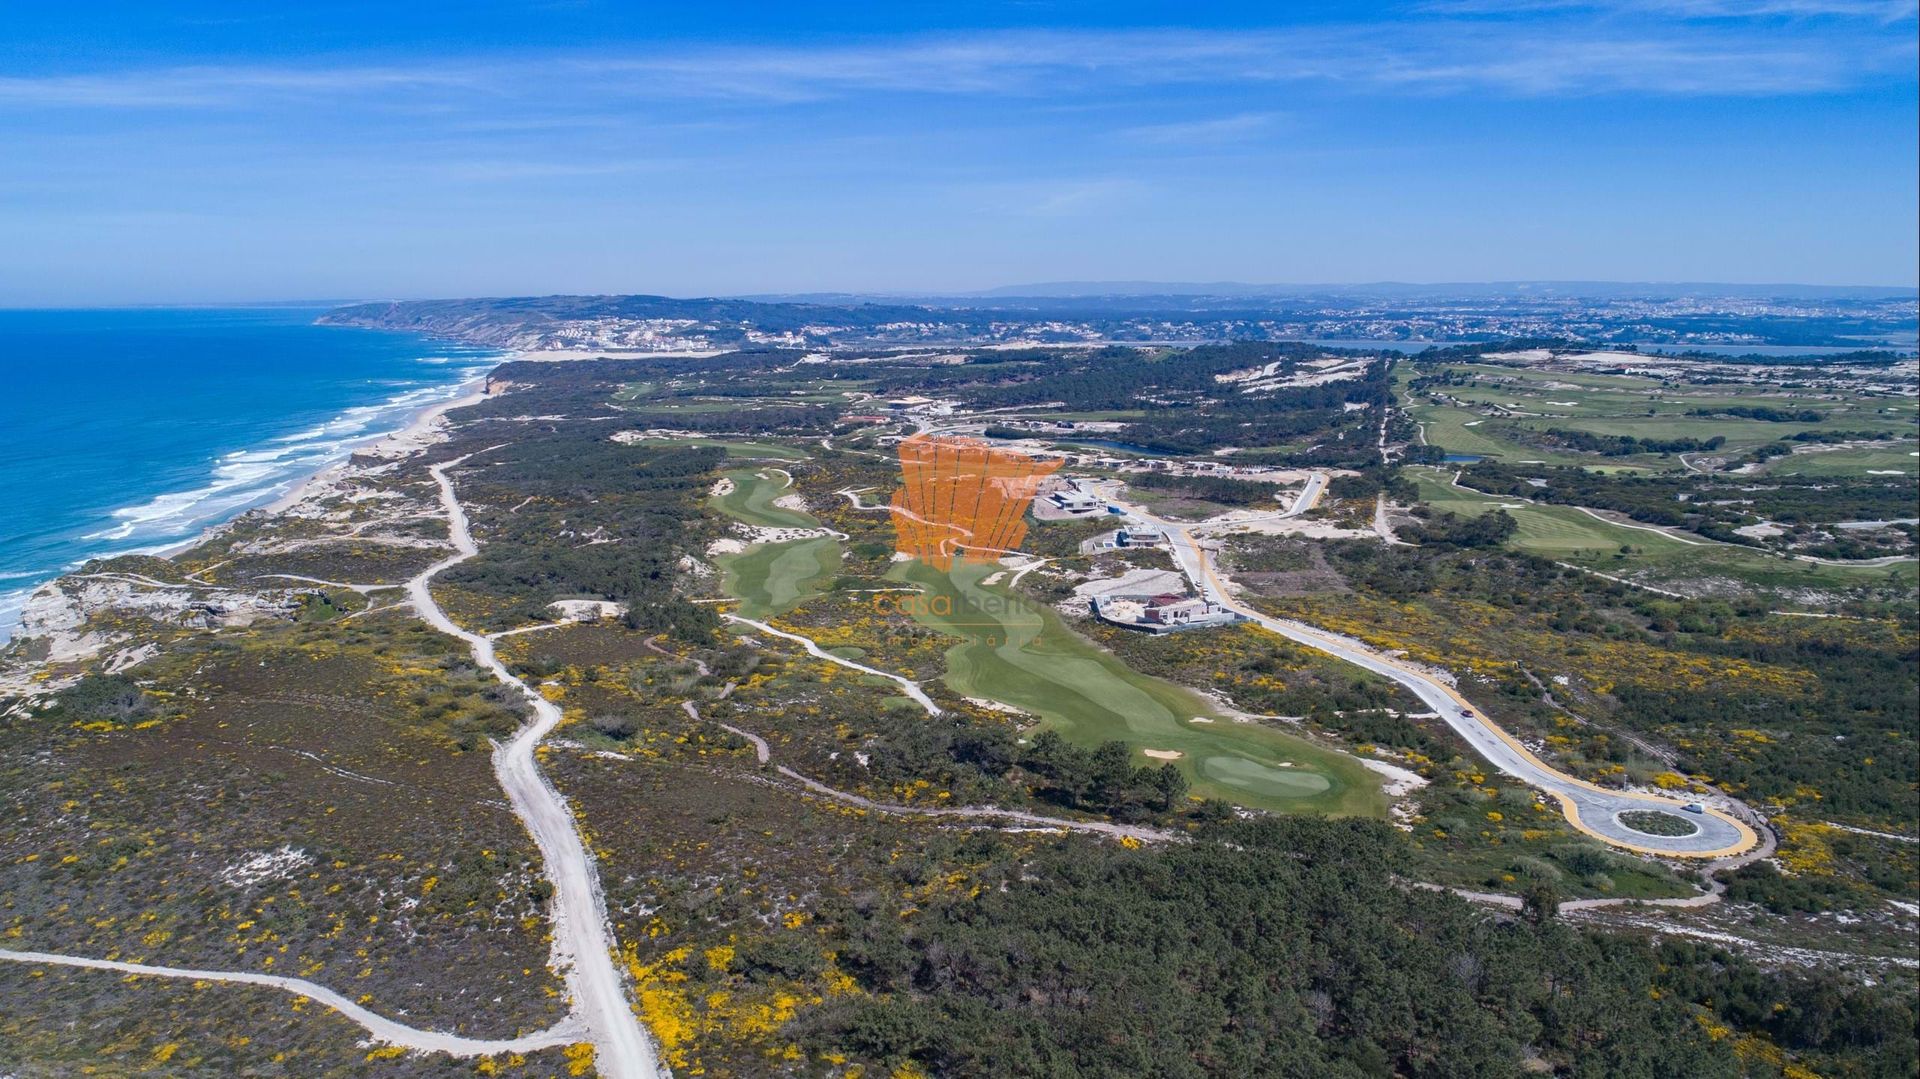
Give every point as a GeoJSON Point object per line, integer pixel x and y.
{"type": "Point", "coordinates": [1462, 459]}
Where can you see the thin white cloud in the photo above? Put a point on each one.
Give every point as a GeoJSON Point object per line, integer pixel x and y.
{"type": "Point", "coordinates": [1220, 131]}
{"type": "Point", "coordinates": [1883, 11]}
{"type": "Point", "coordinates": [1431, 57]}
{"type": "Point", "coordinates": [1551, 57]}
{"type": "Point", "coordinates": [513, 171]}
{"type": "Point", "coordinates": [221, 87]}
{"type": "Point", "coordinates": [1053, 198]}
{"type": "Point", "coordinates": [1551, 66]}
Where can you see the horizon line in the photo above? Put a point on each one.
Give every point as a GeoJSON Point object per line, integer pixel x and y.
{"type": "Point", "coordinates": [1120, 288]}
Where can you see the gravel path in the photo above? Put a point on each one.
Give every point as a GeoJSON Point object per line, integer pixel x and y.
{"type": "Point", "coordinates": [764, 755]}
{"type": "Point", "coordinates": [381, 1029]}
{"type": "Point", "coordinates": [907, 685]}
{"type": "Point", "coordinates": [582, 939]}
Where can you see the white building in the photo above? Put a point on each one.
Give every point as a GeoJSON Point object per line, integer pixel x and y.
{"type": "Point", "coordinates": [1162, 613]}
{"type": "Point", "coordinates": [1174, 609]}
{"type": "Point", "coordinates": [1074, 500]}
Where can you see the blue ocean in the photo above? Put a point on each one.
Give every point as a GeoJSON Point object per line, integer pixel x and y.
{"type": "Point", "coordinates": [131, 430]}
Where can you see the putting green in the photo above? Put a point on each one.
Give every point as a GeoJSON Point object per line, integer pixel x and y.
{"type": "Point", "coordinates": [1020, 653]}
{"type": "Point", "coordinates": [1280, 783]}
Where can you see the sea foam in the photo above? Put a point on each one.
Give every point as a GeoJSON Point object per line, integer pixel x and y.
{"type": "Point", "coordinates": [213, 412]}
{"type": "Point", "coordinates": [247, 478]}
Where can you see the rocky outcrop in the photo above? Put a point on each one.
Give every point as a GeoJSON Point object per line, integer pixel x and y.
{"type": "Point", "coordinates": [82, 617]}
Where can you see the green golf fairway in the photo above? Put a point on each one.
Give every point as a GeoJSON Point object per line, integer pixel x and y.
{"type": "Point", "coordinates": [1022, 654]}
{"type": "Point", "coordinates": [773, 578]}
{"type": "Point", "coordinates": [735, 449]}
{"type": "Point", "coordinates": [1563, 532]}
{"type": "Point", "coordinates": [751, 499]}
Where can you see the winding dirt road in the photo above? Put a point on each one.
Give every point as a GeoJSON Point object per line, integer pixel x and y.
{"type": "Point", "coordinates": [380, 1028]}
{"type": "Point", "coordinates": [764, 754]}
{"type": "Point", "coordinates": [582, 939]}
{"type": "Point", "coordinates": [907, 685]}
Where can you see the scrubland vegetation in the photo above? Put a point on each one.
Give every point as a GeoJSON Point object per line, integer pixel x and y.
{"type": "Point", "coordinates": [1808, 717]}
{"type": "Point", "coordinates": [311, 794]}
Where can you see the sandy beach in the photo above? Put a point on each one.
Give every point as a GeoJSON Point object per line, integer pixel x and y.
{"type": "Point", "coordinates": [419, 433]}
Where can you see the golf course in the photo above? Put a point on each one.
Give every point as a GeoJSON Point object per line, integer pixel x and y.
{"type": "Point", "coordinates": [1568, 534]}
{"type": "Point", "coordinates": [749, 497]}
{"type": "Point", "coordinates": [1499, 412]}
{"type": "Point", "coordinates": [771, 578]}
{"type": "Point", "coordinates": [1021, 654]}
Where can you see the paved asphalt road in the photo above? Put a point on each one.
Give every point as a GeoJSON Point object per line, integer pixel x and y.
{"type": "Point", "coordinates": [1592, 809]}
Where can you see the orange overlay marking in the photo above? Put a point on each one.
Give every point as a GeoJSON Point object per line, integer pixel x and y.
{"type": "Point", "coordinates": [960, 497]}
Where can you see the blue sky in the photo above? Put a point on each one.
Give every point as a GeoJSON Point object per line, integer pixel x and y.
{"type": "Point", "coordinates": [192, 152]}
